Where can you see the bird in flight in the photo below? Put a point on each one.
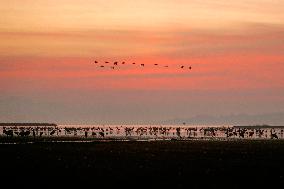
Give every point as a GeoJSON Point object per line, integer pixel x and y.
{"type": "Point", "coordinates": [142, 65]}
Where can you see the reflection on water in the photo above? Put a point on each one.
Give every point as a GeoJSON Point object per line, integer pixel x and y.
{"type": "Point", "coordinates": [145, 132]}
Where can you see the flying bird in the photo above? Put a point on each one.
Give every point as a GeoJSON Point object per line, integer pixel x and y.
{"type": "Point", "coordinates": [142, 65]}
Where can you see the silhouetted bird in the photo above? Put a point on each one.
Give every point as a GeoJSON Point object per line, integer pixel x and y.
{"type": "Point", "coordinates": [156, 64]}
{"type": "Point", "coordinates": [190, 67]}
{"type": "Point", "coordinates": [102, 66]}
{"type": "Point", "coordinates": [8, 133]}
{"type": "Point", "coordinates": [133, 63]}
{"type": "Point", "coordinates": [182, 67]}
{"type": "Point", "coordinates": [142, 64]}
{"type": "Point", "coordinates": [115, 63]}
{"type": "Point", "coordinates": [123, 62]}
{"type": "Point", "coordinates": [102, 134]}
{"type": "Point", "coordinates": [96, 62]}
{"type": "Point", "coordinates": [112, 67]}
{"type": "Point", "coordinates": [106, 62]}
{"type": "Point", "coordinates": [52, 132]}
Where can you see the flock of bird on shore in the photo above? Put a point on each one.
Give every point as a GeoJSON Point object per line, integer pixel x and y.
{"type": "Point", "coordinates": [115, 65]}
{"type": "Point", "coordinates": [152, 132]}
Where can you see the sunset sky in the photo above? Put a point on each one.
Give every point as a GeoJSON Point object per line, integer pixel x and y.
{"type": "Point", "coordinates": [47, 49]}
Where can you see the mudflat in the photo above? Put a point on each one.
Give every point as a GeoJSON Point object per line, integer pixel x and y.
{"type": "Point", "coordinates": [193, 163]}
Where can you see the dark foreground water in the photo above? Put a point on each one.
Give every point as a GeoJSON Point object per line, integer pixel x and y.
{"type": "Point", "coordinates": [189, 164]}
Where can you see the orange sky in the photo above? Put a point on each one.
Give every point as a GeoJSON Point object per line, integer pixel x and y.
{"type": "Point", "coordinates": [47, 48]}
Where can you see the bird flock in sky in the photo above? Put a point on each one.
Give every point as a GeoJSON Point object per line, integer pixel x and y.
{"type": "Point", "coordinates": [115, 65]}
